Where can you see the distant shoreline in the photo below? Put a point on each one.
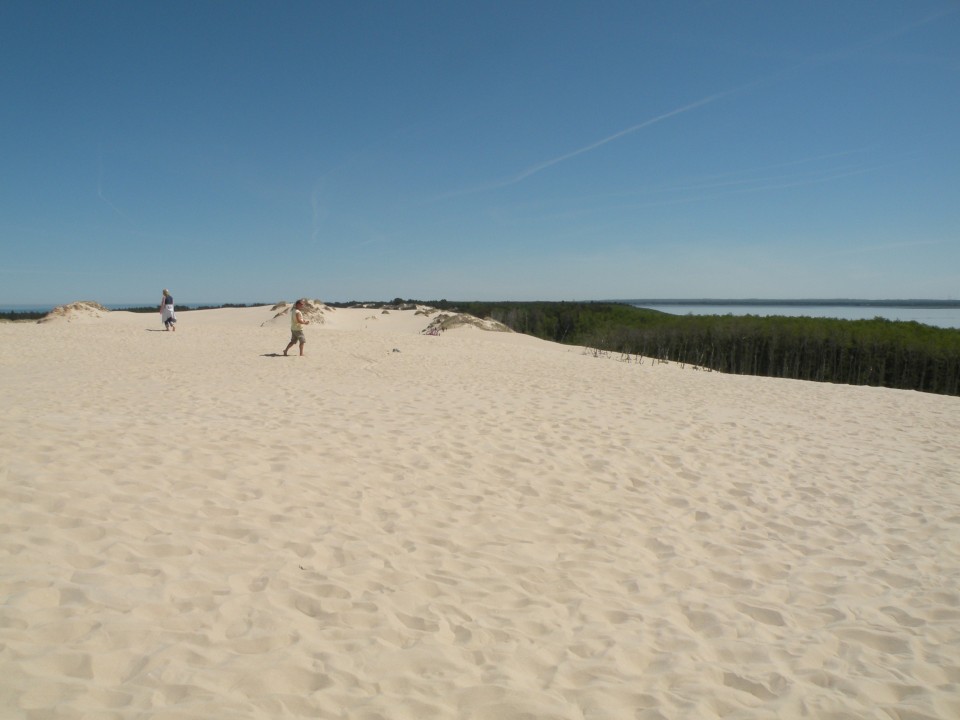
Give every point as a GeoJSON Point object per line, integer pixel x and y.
{"type": "Point", "coordinates": [837, 302]}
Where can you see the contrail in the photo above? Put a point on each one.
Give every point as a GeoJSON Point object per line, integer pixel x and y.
{"type": "Point", "coordinates": [319, 211]}
{"type": "Point", "coordinates": [879, 39]}
{"type": "Point", "coordinates": [100, 186]}
{"type": "Point", "coordinates": [775, 77]}
{"type": "Point", "coordinates": [616, 136]}
{"type": "Point", "coordinates": [534, 169]}
{"type": "Point", "coordinates": [877, 248]}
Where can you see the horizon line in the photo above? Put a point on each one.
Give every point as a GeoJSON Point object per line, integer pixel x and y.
{"type": "Point", "coordinates": [943, 302]}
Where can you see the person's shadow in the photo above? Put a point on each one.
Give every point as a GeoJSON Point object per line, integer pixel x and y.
{"type": "Point", "coordinates": [275, 355]}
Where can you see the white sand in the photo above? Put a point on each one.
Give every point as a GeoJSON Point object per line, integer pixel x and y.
{"type": "Point", "coordinates": [475, 525]}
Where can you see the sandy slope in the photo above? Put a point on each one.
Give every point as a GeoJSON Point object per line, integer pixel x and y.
{"type": "Point", "coordinates": [473, 525]}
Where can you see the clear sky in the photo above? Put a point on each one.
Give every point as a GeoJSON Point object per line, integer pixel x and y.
{"type": "Point", "coordinates": [259, 151]}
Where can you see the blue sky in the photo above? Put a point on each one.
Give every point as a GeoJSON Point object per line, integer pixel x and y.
{"type": "Point", "coordinates": [258, 151]}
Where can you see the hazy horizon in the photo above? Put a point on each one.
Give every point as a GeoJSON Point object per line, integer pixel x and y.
{"type": "Point", "coordinates": [839, 302]}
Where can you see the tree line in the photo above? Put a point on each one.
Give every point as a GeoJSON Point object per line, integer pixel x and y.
{"type": "Point", "coordinates": [878, 352]}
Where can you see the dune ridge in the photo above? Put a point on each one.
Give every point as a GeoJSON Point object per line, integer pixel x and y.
{"type": "Point", "coordinates": [82, 310]}
{"type": "Point", "coordinates": [469, 525]}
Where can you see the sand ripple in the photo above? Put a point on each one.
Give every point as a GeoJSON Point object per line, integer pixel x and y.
{"type": "Point", "coordinates": [478, 526]}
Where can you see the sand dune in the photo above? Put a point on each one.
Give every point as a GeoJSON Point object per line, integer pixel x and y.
{"type": "Point", "coordinates": [81, 311]}
{"type": "Point", "coordinates": [472, 525]}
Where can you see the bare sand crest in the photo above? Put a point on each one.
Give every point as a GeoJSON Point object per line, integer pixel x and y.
{"type": "Point", "coordinates": [469, 525]}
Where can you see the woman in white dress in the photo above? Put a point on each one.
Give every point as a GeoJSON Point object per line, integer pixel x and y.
{"type": "Point", "coordinates": [167, 314]}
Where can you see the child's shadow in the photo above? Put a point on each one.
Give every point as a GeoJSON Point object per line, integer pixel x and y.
{"type": "Point", "coordinates": [275, 355]}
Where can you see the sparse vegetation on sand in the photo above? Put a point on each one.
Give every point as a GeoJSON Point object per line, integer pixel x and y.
{"type": "Point", "coordinates": [879, 352]}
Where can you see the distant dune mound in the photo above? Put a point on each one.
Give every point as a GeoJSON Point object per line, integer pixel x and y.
{"type": "Point", "coordinates": [402, 307]}
{"type": "Point", "coordinates": [445, 321]}
{"type": "Point", "coordinates": [82, 310]}
{"type": "Point", "coordinates": [313, 311]}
